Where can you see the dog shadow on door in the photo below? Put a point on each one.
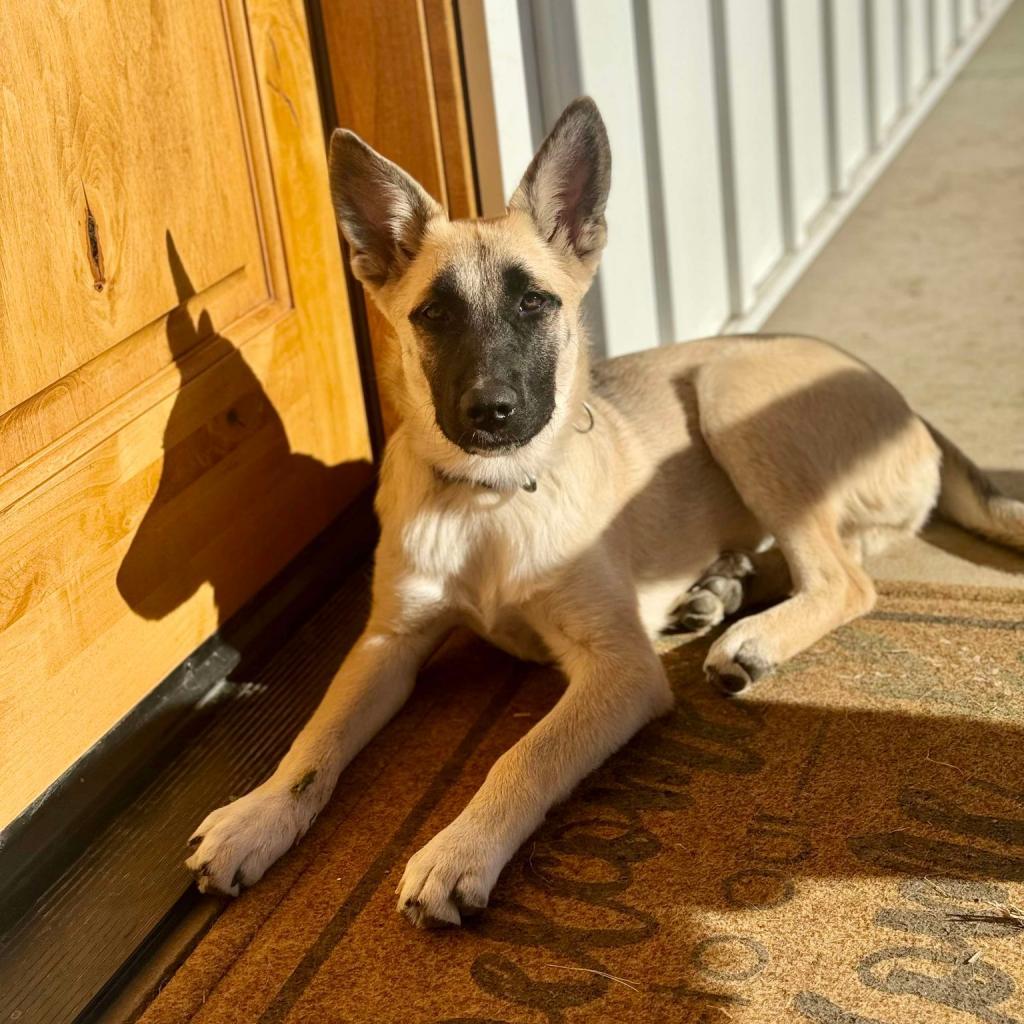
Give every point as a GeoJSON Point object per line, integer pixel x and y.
{"type": "Point", "coordinates": [191, 533]}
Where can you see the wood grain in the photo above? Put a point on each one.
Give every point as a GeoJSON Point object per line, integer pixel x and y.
{"type": "Point", "coordinates": [171, 441]}
{"type": "Point", "coordinates": [452, 117]}
{"type": "Point", "coordinates": [116, 127]}
{"type": "Point", "coordinates": [383, 86]}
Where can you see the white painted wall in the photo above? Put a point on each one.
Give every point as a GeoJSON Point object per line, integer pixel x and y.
{"type": "Point", "coordinates": [885, 26]}
{"type": "Point", "coordinates": [742, 132]}
{"type": "Point", "coordinates": [684, 167]}
{"type": "Point", "coordinates": [804, 68]}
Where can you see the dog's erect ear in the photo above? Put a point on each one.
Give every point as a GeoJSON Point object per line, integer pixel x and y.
{"type": "Point", "coordinates": [565, 188]}
{"type": "Point", "coordinates": [383, 212]}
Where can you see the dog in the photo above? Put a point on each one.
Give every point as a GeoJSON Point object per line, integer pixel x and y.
{"type": "Point", "coordinates": [569, 514]}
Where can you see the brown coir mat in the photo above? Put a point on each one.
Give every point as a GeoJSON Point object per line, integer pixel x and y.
{"type": "Point", "coordinates": [845, 846]}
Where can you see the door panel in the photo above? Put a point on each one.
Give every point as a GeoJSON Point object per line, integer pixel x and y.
{"type": "Point", "coordinates": [180, 402]}
{"type": "Point", "coordinates": [101, 162]}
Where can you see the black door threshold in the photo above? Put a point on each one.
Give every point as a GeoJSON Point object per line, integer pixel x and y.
{"type": "Point", "coordinates": [92, 881]}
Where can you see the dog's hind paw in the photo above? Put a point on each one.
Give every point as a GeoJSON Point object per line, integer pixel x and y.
{"type": "Point", "coordinates": [732, 675]}
{"type": "Point", "coordinates": [706, 604]}
{"type": "Point", "coordinates": [699, 609]}
{"type": "Point", "coordinates": [716, 595]}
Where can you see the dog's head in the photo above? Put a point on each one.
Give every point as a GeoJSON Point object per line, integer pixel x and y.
{"type": "Point", "coordinates": [486, 312]}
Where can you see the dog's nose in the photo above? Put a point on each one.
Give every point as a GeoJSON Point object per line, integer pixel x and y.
{"type": "Point", "coordinates": [489, 406]}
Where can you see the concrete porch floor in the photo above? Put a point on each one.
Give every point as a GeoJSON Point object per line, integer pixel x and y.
{"type": "Point", "coordinates": [925, 281]}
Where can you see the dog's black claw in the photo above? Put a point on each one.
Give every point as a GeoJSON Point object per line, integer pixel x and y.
{"type": "Point", "coordinates": [752, 662]}
{"type": "Point", "coordinates": [730, 683]}
{"type": "Point", "coordinates": [747, 666]}
{"type": "Point", "coordinates": [694, 623]}
{"type": "Point", "coordinates": [194, 842]}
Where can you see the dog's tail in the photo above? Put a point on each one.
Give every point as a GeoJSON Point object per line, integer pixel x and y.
{"type": "Point", "coordinates": [970, 499]}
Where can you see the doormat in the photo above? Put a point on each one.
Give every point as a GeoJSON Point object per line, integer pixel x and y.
{"type": "Point", "coordinates": [845, 845]}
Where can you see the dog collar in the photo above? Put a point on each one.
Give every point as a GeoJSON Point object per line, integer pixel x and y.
{"type": "Point", "coordinates": [531, 481]}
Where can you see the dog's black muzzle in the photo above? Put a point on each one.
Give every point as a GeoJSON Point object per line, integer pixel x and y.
{"type": "Point", "coordinates": [494, 416]}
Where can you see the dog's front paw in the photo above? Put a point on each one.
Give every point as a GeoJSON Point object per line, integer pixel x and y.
{"type": "Point", "coordinates": [236, 843]}
{"type": "Point", "coordinates": [451, 877]}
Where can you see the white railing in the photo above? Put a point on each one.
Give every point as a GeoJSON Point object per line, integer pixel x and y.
{"type": "Point", "coordinates": [743, 132]}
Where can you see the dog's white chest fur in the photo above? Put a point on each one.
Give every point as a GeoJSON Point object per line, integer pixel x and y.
{"type": "Point", "coordinates": [487, 556]}
{"type": "Point", "coordinates": [473, 548]}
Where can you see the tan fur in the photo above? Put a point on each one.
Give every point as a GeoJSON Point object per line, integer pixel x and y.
{"type": "Point", "coordinates": [784, 448]}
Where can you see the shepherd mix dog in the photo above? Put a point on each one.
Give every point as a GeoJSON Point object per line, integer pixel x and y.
{"type": "Point", "coordinates": [569, 513]}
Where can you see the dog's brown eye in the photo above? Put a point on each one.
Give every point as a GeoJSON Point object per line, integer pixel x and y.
{"type": "Point", "coordinates": [433, 311]}
{"type": "Point", "coordinates": [532, 302]}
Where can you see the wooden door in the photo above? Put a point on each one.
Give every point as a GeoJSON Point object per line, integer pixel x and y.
{"type": "Point", "coordinates": [180, 403]}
